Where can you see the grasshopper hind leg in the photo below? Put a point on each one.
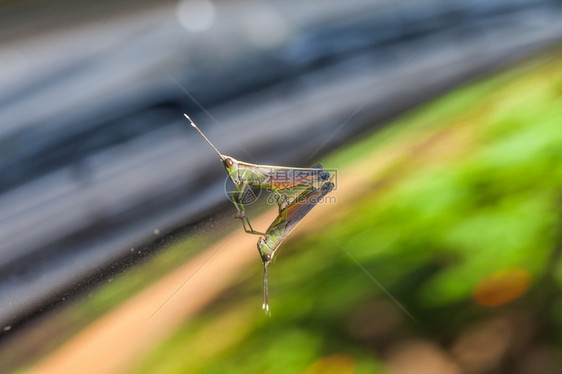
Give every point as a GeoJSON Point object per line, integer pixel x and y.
{"type": "Point", "coordinates": [249, 229]}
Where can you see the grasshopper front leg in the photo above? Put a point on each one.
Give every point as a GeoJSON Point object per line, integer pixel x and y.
{"type": "Point", "coordinates": [250, 230]}
{"type": "Point", "coordinates": [240, 212]}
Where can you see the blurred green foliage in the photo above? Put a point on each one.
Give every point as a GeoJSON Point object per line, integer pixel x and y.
{"type": "Point", "coordinates": [482, 195]}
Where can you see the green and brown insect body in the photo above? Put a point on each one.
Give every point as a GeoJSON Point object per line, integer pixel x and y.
{"type": "Point", "coordinates": [273, 178]}
{"type": "Point", "coordinates": [269, 177]}
{"type": "Point", "coordinates": [289, 217]}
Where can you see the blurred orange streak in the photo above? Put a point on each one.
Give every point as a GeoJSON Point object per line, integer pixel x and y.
{"type": "Point", "coordinates": [502, 287]}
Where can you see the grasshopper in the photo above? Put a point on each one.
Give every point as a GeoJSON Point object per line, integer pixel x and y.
{"type": "Point", "coordinates": [269, 177]}
{"type": "Point", "coordinates": [289, 217]}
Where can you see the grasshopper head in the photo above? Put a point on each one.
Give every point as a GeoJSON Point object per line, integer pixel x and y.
{"type": "Point", "coordinates": [231, 166]}
{"type": "Point", "coordinates": [266, 253]}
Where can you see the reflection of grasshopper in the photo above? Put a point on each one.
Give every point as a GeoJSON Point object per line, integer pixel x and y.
{"type": "Point", "coordinates": [273, 178]}
{"type": "Point", "coordinates": [289, 217]}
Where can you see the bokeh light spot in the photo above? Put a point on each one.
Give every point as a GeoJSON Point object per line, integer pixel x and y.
{"type": "Point", "coordinates": [482, 347]}
{"type": "Point", "coordinates": [419, 357]}
{"type": "Point", "coordinates": [196, 15]}
{"type": "Point", "coordinates": [333, 364]}
{"type": "Point", "coordinates": [502, 287]}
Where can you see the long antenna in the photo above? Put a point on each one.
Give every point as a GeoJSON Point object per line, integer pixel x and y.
{"type": "Point", "coordinates": [203, 135]}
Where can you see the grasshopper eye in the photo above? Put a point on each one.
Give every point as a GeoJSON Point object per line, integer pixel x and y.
{"type": "Point", "coordinates": [228, 162]}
